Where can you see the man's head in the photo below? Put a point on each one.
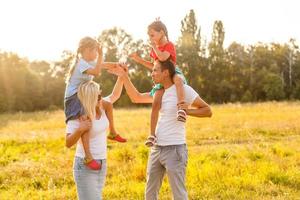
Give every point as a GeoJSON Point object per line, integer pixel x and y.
{"type": "Point", "coordinates": [163, 71]}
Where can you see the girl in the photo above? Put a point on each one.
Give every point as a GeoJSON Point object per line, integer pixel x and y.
{"type": "Point", "coordinates": [162, 49]}
{"type": "Point", "coordinates": [84, 70]}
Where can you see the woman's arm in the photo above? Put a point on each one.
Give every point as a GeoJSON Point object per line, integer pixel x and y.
{"type": "Point", "coordinates": [72, 138]}
{"type": "Point", "coordinates": [117, 91]}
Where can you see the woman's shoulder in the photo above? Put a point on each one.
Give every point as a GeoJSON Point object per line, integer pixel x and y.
{"type": "Point", "coordinates": [106, 104]}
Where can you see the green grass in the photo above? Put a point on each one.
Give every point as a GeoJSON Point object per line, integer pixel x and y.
{"type": "Point", "coordinates": [245, 151]}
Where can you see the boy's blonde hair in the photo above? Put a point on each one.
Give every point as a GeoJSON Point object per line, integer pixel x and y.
{"type": "Point", "coordinates": [88, 95]}
{"type": "Point", "coordinates": [84, 43]}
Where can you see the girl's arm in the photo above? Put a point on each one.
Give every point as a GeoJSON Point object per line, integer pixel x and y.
{"type": "Point", "coordinates": [141, 61]}
{"type": "Point", "coordinates": [97, 69]}
{"type": "Point", "coordinates": [72, 138]}
{"type": "Point", "coordinates": [161, 55]}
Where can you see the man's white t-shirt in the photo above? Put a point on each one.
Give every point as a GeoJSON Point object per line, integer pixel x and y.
{"type": "Point", "coordinates": [170, 131]}
{"type": "Point", "coordinates": [98, 143]}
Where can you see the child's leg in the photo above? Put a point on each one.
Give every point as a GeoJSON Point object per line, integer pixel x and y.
{"type": "Point", "coordinates": [85, 138]}
{"type": "Point", "coordinates": [112, 131]}
{"type": "Point", "coordinates": [179, 88]}
{"type": "Point", "coordinates": [89, 160]}
{"type": "Point", "coordinates": [154, 116]}
{"type": "Point", "coordinates": [179, 84]}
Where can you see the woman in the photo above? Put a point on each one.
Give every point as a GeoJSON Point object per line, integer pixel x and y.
{"type": "Point", "coordinates": [89, 183]}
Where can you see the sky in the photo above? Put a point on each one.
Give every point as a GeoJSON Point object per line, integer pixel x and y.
{"type": "Point", "coordinates": [42, 29]}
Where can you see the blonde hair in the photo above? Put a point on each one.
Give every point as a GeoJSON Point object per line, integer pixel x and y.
{"type": "Point", "coordinates": [88, 95]}
{"type": "Point", "coordinates": [84, 43]}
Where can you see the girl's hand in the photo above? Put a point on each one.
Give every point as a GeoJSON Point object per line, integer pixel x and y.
{"type": "Point", "coordinates": [152, 43]}
{"type": "Point", "coordinates": [100, 51]}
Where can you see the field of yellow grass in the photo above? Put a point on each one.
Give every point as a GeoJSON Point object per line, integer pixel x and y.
{"type": "Point", "coordinates": [245, 151]}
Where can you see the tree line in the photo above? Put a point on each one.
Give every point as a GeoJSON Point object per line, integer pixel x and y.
{"type": "Point", "coordinates": [238, 73]}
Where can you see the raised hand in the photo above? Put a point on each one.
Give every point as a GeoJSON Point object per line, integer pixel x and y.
{"type": "Point", "coordinates": [134, 56]}
{"type": "Point", "coordinates": [100, 51]}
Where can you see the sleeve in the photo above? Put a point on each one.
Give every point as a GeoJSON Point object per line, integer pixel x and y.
{"type": "Point", "coordinates": [190, 94]}
{"type": "Point", "coordinates": [171, 49]}
{"type": "Point", "coordinates": [83, 66]}
{"type": "Point", "coordinates": [71, 127]}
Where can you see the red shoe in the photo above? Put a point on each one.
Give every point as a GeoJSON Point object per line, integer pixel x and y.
{"type": "Point", "coordinates": [117, 138]}
{"type": "Point", "coordinates": [92, 164]}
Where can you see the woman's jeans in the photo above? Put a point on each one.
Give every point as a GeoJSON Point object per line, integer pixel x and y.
{"type": "Point", "coordinates": [89, 182]}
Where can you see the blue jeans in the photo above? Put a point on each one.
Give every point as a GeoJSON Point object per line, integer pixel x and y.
{"type": "Point", "coordinates": [89, 183]}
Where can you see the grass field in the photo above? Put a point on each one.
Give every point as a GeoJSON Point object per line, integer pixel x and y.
{"type": "Point", "coordinates": [245, 151]}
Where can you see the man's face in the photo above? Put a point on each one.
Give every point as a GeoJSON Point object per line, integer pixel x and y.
{"type": "Point", "coordinates": [157, 75]}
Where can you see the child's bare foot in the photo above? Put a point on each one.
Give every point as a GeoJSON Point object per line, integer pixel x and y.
{"type": "Point", "coordinates": [92, 164]}
{"type": "Point", "coordinates": [151, 140]}
{"type": "Point", "coordinates": [116, 137]}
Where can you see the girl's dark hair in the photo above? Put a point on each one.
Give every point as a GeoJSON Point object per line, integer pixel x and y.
{"type": "Point", "coordinates": [168, 65]}
{"type": "Point", "coordinates": [157, 25]}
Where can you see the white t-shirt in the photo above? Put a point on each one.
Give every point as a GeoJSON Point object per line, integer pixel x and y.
{"type": "Point", "coordinates": [169, 131]}
{"type": "Point", "coordinates": [98, 143]}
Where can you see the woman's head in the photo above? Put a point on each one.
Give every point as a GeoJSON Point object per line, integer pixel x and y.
{"type": "Point", "coordinates": [88, 93]}
{"type": "Point", "coordinates": [157, 30]}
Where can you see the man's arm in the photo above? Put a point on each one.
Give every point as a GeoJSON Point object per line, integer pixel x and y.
{"type": "Point", "coordinates": [134, 95]}
{"type": "Point", "coordinates": [200, 108]}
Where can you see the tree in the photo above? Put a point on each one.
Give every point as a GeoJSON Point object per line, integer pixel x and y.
{"type": "Point", "coordinates": [190, 54]}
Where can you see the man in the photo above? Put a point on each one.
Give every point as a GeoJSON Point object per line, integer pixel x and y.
{"type": "Point", "coordinates": [169, 155]}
